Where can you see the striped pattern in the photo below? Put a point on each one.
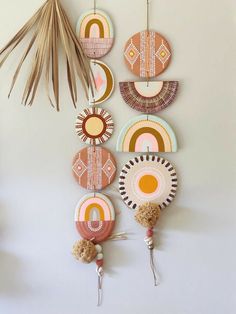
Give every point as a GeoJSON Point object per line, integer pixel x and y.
{"type": "Point", "coordinates": [96, 47]}
{"type": "Point", "coordinates": [95, 136]}
{"type": "Point", "coordinates": [153, 104]}
{"type": "Point", "coordinates": [141, 165]}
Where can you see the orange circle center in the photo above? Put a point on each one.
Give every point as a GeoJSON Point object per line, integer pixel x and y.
{"type": "Point", "coordinates": [148, 184]}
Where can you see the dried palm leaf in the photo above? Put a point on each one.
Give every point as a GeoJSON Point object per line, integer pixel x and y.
{"type": "Point", "coordinates": [50, 26]}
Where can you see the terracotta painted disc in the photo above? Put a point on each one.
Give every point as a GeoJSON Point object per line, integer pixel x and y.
{"type": "Point", "coordinates": [95, 217]}
{"type": "Point", "coordinates": [150, 97]}
{"type": "Point", "coordinates": [94, 168]}
{"type": "Point", "coordinates": [148, 178]}
{"type": "Point", "coordinates": [96, 34]}
{"type": "Point", "coordinates": [104, 81]}
{"type": "Point", "coordinates": [147, 133]}
{"type": "Point", "coordinates": [147, 54]}
{"type": "Point", "coordinates": [94, 126]}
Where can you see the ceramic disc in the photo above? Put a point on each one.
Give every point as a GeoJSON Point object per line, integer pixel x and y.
{"type": "Point", "coordinates": [95, 32]}
{"type": "Point", "coordinates": [147, 54]}
{"type": "Point", "coordinates": [94, 126]}
{"type": "Point", "coordinates": [150, 97]}
{"type": "Point", "coordinates": [147, 133]}
{"type": "Point", "coordinates": [104, 81]}
{"type": "Point", "coordinates": [95, 217]}
{"type": "Point", "coordinates": [94, 168]}
{"type": "Point", "coordinates": [148, 178]}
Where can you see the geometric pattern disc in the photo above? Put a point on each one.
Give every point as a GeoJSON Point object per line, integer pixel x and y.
{"type": "Point", "coordinates": [94, 168]}
{"type": "Point", "coordinates": [148, 178]}
{"type": "Point", "coordinates": [147, 54]}
{"type": "Point", "coordinates": [94, 126]}
{"type": "Point", "coordinates": [150, 97]}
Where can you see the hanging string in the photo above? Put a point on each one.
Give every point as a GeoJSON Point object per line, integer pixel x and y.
{"type": "Point", "coordinates": [118, 236]}
{"type": "Point", "coordinates": [150, 244]}
{"type": "Point", "coordinates": [152, 264]}
{"type": "Point", "coordinates": [100, 273]}
{"type": "Point", "coordinates": [148, 28]}
{"type": "Point", "coordinates": [148, 15]}
{"type": "Point", "coordinates": [94, 6]}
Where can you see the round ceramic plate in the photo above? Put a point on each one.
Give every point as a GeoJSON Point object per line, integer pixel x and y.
{"type": "Point", "coordinates": [149, 97]}
{"type": "Point", "coordinates": [148, 178]}
{"type": "Point", "coordinates": [95, 217]}
{"type": "Point", "coordinates": [147, 133]}
{"type": "Point", "coordinates": [95, 32]}
{"type": "Point", "coordinates": [147, 54]}
{"type": "Point", "coordinates": [94, 126]}
{"type": "Point", "coordinates": [104, 83]}
{"type": "Point", "coordinates": [94, 168]}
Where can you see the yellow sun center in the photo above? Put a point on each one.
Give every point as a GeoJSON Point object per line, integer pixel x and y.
{"type": "Point", "coordinates": [148, 184]}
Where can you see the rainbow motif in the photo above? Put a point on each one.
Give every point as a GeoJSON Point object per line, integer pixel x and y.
{"type": "Point", "coordinates": [147, 134]}
{"type": "Point", "coordinates": [95, 32]}
{"type": "Point", "coordinates": [95, 217]}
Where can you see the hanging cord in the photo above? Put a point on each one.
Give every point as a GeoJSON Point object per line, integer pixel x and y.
{"type": "Point", "coordinates": [94, 7]}
{"type": "Point", "coordinates": [118, 236]}
{"type": "Point", "coordinates": [148, 29]}
{"type": "Point", "coordinates": [152, 264]}
{"type": "Point", "coordinates": [148, 15]}
{"type": "Point", "coordinates": [150, 244]}
{"type": "Point", "coordinates": [100, 274]}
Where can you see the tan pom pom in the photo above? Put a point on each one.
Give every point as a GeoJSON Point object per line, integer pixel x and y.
{"type": "Point", "coordinates": [84, 251]}
{"type": "Point", "coordinates": [148, 214]}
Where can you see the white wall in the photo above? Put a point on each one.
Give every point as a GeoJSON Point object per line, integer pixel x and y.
{"type": "Point", "coordinates": [196, 235]}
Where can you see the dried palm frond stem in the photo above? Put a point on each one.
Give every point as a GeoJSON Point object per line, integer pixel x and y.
{"type": "Point", "coordinates": [50, 26]}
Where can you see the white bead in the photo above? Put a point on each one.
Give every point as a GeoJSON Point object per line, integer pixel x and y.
{"type": "Point", "coordinates": [148, 240]}
{"type": "Point", "coordinates": [98, 248]}
{"type": "Point", "coordinates": [99, 256]}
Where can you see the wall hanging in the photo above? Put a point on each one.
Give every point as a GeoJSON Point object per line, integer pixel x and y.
{"type": "Point", "coordinates": [148, 183]}
{"type": "Point", "coordinates": [147, 134]}
{"type": "Point", "coordinates": [146, 179]}
{"type": "Point", "coordinates": [94, 167]}
{"type": "Point", "coordinates": [149, 98]}
{"type": "Point", "coordinates": [103, 83]}
{"type": "Point", "coordinates": [50, 28]}
{"type": "Point", "coordinates": [95, 32]}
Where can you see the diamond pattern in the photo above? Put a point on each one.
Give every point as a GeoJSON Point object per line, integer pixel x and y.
{"type": "Point", "coordinates": [109, 168]}
{"type": "Point", "coordinates": [99, 82]}
{"type": "Point", "coordinates": [163, 53]}
{"type": "Point", "coordinates": [131, 53]}
{"type": "Point", "coordinates": [79, 167]}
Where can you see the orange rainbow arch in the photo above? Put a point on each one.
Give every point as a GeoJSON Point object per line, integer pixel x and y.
{"type": "Point", "coordinates": [92, 25]}
{"type": "Point", "coordinates": [95, 33]}
{"type": "Point", "coordinates": [147, 134]}
{"type": "Point", "coordinates": [95, 217]}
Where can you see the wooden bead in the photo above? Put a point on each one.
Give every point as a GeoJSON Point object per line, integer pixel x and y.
{"type": "Point", "coordinates": [149, 233]}
{"type": "Point", "coordinates": [99, 262]}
